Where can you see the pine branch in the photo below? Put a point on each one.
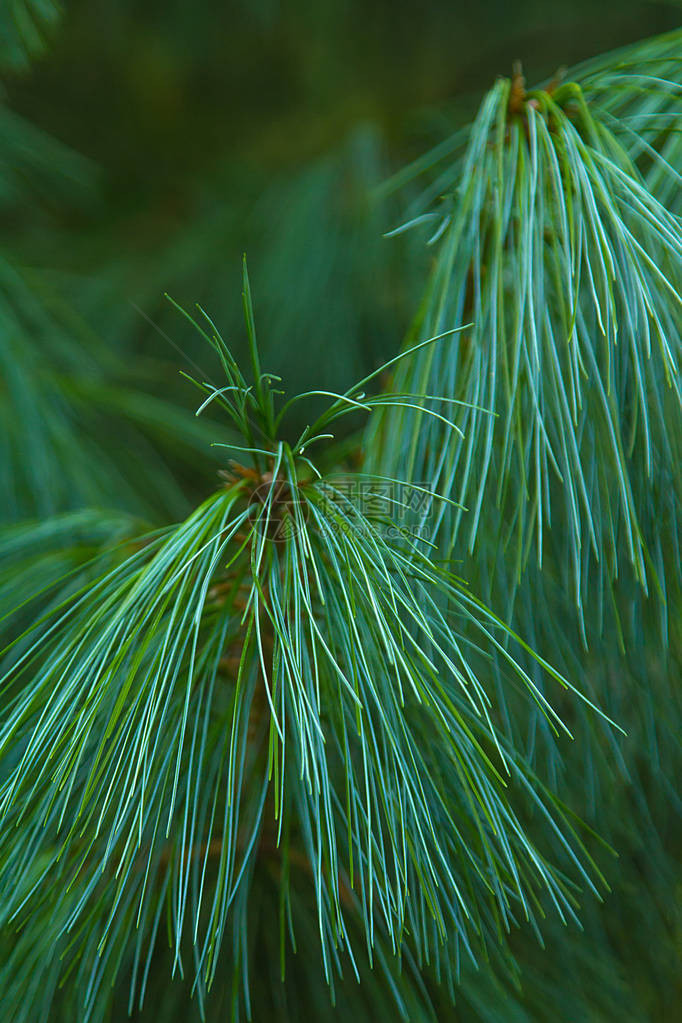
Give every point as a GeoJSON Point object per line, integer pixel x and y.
{"type": "Point", "coordinates": [549, 240]}
{"type": "Point", "coordinates": [282, 676]}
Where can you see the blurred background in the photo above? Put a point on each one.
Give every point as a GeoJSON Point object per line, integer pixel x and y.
{"type": "Point", "coordinates": [152, 143]}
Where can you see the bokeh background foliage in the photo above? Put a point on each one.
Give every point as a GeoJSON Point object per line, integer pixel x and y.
{"type": "Point", "coordinates": [145, 149]}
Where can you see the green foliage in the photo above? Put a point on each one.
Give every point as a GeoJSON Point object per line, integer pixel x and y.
{"type": "Point", "coordinates": [335, 293]}
{"type": "Point", "coordinates": [35, 166]}
{"type": "Point", "coordinates": [24, 28]}
{"type": "Point", "coordinates": [618, 460]}
{"type": "Point", "coordinates": [638, 91]}
{"type": "Point", "coordinates": [277, 761]}
{"type": "Point", "coordinates": [549, 241]}
{"type": "Point", "coordinates": [60, 392]}
{"type": "Point", "coordinates": [267, 678]}
{"type": "Point", "coordinates": [61, 387]}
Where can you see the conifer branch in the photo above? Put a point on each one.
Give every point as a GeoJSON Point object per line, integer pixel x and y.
{"type": "Point", "coordinates": [268, 676]}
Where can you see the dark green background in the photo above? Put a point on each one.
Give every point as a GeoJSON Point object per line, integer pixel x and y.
{"type": "Point", "coordinates": [218, 128]}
